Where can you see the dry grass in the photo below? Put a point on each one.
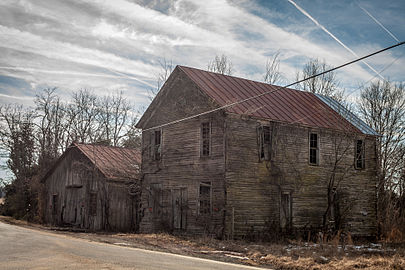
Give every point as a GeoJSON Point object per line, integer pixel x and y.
{"type": "Point", "coordinates": [314, 263]}
{"type": "Point", "coordinates": [292, 255]}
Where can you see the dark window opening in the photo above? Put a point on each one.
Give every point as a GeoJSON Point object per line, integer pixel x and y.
{"type": "Point", "coordinates": [264, 142]}
{"type": "Point", "coordinates": [54, 204]}
{"type": "Point", "coordinates": [205, 198]}
{"type": "Point", "coordinates": [93, 204]}
{"type": "Point", "coordinates": [286, 209]}
{"type": "Point", "coordinates": [359, 158]}
{"type": "Point", "coordinates": [313, 149]}
{"type": "Point", "coordinates": [205, 139]}
{"type": "Point", "coordinates": [157, 153]}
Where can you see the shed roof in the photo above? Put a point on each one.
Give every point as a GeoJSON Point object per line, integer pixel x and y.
{"type": "Point", "coordinates": [113, 162]}
{"type": "Point", "coordinates": [280, 104]}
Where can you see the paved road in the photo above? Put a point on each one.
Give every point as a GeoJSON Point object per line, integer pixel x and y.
{"type": "Point", "coordinates": [22, 248]}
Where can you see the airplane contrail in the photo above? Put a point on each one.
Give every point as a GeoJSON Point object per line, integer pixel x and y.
{"type": "Point", "coordinates": [333, 36]}
{"type": "Point", "coordinates": [379, 23]}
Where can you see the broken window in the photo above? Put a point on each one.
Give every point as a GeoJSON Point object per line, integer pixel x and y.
{"type": "Point", "coordinates": [93, 204]}
{"type": "Point", "coordinates": [156, 146]}
{"type": "Point", "coordinates": [205, 198]}
{"type": "Point", "coordinates": [205, 139]}
{"type": "Point", "coordinates": [285, 210]}
{"type": "Point", "coordinates": [54, 204]}
{"type": "Point", "coordinates": [264, 142]}
{"type": "Point", "coordinates": [313, 149]}
{"type": "Point", "coordinates": [359, 155]}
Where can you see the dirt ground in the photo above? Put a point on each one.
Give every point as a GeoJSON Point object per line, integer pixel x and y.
{"type": "Point", "coordinates": [288, 255]}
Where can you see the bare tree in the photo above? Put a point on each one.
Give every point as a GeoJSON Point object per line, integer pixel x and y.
{"type": "Point", "coordinates": [133, 137]}
{"type": "Point", "coordinates": [50, 133]}
{"type": "Point", "coordinates": [166, 68]}
{"type": "Point", "coordinates": [82, 117]}
{"type": "Point", "coordinates": [272, 74]}
{"type": "Point", "coordinates": [17, 138]}
{"type": "Point", "coordinates": [221, 64]}
{"type": "Point", "coordinates": [382, 105]}
{"type": "Point", "coordinates": [325, 84]}
{"type": "Point", "coordinates": [114, 117]}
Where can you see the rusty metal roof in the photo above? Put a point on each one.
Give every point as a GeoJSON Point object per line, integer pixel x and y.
{"type": "Point", "coordinates": [282, 104]}
{"type": "Point", "coordinates": [113, 162]}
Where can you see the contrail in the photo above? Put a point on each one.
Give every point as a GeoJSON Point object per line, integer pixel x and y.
{"type": "Point", "coordinates": [121, 75]}
{"type": "Point", "coordinates": [333, 36]}
{"type": "Point", "coordinates": [380, 24]}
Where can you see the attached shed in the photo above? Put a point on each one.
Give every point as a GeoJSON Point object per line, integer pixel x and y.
{"type": "Point", "coordinates": [94, 187]}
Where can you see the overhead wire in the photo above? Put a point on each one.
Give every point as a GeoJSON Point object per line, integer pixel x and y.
{"type": "Point", "coordinates": [274, 90]}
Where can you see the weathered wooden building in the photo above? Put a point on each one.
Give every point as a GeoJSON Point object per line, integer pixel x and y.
{"type": "Point", "coordinates": [287, 160]}
{"type": "Point", "coordinates": [94, 187]}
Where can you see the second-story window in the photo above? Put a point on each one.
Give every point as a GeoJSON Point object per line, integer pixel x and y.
{"type": "Point", "coordinates": [157, 147]}
{"type": "Point", "coordinates": [313, 149]}
{"type": "Point", "coordinates": [264, 142]}
{"type": "Point", "coordinates": [359, 160]}
{"type": "Point", "coordinates": [205, 139]}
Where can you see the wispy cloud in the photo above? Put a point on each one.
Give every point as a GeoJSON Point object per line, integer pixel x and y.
{"type": "Point", "coordinates": [117, 44]}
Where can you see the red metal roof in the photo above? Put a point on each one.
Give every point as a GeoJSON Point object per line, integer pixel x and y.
{"type": "Point", "coordinates": [282, 104]}
{"type": "Point", "coordinates": [113, 162]}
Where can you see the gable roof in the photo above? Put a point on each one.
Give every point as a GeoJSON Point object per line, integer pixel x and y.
{"type": "Point", "coordinates": [112, 162]}
{"type": "Point", "coordinates": [281, 104]}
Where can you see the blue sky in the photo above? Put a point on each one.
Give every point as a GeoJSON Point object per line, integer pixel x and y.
{"type": "Point", "coordinates": [106, 46]}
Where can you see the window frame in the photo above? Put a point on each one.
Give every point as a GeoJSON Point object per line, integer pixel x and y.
{"type": "Point", "coordinates": [289, 215]}
{"type": "Point", "coordinates": [156, 149]}
{"type": "Point", "coordinates": [310, 147]}
{"type": "Point", "coordinates": [205, 184]}
{"type": "Point", "coordinates": [362, 157]}
{"type": "Point", "coordinates": [264, 145]}
{"type": "Point", "coordinates": [205, 140]}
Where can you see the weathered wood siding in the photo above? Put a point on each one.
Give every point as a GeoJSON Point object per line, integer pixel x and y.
{"type": "Point", "coordinates": [73, 181]}
{"type": "Point", "coordinates": [246, 192]}
{"type": "Point", "coordinates": [181, 169]}
{"type": "Point", "coordinates": [254, 187]}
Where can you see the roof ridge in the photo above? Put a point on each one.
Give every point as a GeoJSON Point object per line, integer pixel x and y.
{"type": "Point", "coordinates": [241, 78]}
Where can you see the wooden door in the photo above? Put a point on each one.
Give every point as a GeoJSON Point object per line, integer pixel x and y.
{"type": "Point", "coordinates": [179, 208]}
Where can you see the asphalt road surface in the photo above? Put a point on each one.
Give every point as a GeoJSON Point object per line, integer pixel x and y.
{"type": "Point", "coordinates": [22, 248]}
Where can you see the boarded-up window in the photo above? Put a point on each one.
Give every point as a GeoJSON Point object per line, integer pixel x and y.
{"type": "Point", "coordinates": [54, 204]}
{"type": "Point", "coordinates": [359, 155]}
{"type": "Point", "coordinates": [313, 149]}
{"type": "Point", "coordinates": [205, 198]}
{"type": "Point", "coordinates": [285, 210]}
{"type": "Point", "coordinates": [264, 142]}
{"type": "Point", "coordinates": [93, 204]}
{"type": "Point", "coordinates": [205, 139]}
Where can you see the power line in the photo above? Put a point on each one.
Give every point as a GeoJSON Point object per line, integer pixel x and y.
{"type": "Point", "coordinates": [274, 90]}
